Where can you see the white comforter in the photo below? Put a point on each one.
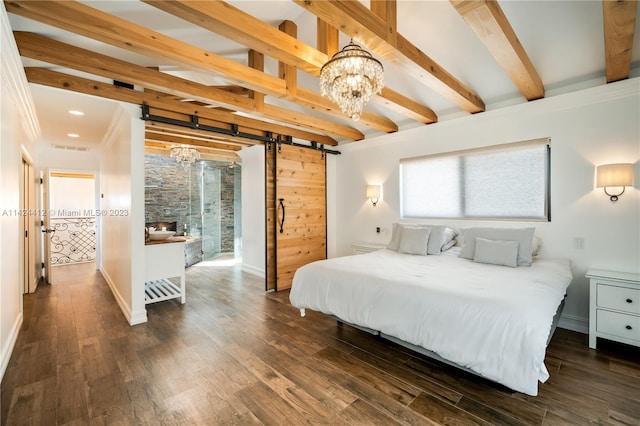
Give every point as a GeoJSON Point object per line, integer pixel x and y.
{"type": "Point", "coordinates": [494, 320]}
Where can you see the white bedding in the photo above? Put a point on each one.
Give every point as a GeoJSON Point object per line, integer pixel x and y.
{"type": "Point", "coordinates": [491, 319]}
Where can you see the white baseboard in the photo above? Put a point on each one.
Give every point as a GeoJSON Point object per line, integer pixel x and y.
{"type": "Point", "coordinates": [259, 272]}
{"type": "Point", "coordinates": [8, 350]}
{"type": "Point", "coordinates": [133, 318]}
{"type": "Point", "coordinates": [574, 323]}
{"type": "Point", "coordinates": [139, 317]}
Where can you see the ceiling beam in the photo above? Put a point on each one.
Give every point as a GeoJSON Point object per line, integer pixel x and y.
{"type": "Point", "coordinates": [188, 139]}
{"type": "Point", "coordinates": [108, 91]}
{"type": "Point", "coordinates": [405, 106]}
{"type": "Point", "coordinates": [279, 43]}
{"type": "Point", "coordinates": [161, 148]}
{"type": "Point", "coordinates": [387, 10]}
{"type": "Point", "coordinates": [90, 22]}
{"type": "Point", "coordinates": [42, 48]}
{"type": "Point", "coordinates": [486, 19]}
{"type": "Point", "coordinates": [327, 38]}
{"type": "Point", "coordinates": [619, 28]}
{"type": "Point", "coordinates": [358, 22]}
{"type": "Point", "coordinates": [93, 23]}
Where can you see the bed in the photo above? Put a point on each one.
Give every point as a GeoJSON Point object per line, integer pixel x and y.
{"type": "Point", "coordinates": [487, 318]}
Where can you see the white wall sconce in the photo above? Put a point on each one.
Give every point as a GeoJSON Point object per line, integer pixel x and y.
{"type": "Point", "coordinates": [614, 176]}
{"type": "Point", "coordinates": [373, 193]}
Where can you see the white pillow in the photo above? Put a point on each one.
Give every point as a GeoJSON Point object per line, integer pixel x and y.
{"type": "Point", "coordinates": [496, 252]}
{"type": "Point", "coordinates": [449, 235]}
{"type": "Point", "coordinates": [414, 240]}
{"type": "Point", "coordinates": [536, 245]}
{"type": "Point", "coordinates": [448, 245]}
{"type": "Point", "coordinates": [440, 236]}
{"type": "Point", "coordinates": [396, 235]}
{"type": "Point", "coordinates": [524, 237]}
{"type": "Point", "coordinates": [436, 239]}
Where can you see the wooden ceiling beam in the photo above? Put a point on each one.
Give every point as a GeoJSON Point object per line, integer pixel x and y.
{"type": "Point", "coordinates": [405, 106]}
{"type": "Point", "coordinates": [256, 61]}
{"type": "Point", "coordinates": [186, 140]}
{"type": "Point", "coordinates": [175, 130]}
{"type": "Point", "coordinates": [358, 22]}
{"type": "Point", "coordinates": [280, 43]}
{"type": "Point", "coordinates": [93, 23]}
{"type": "Point", "coordinates": [224, 19]}
{"type": "Point", "coordinates": [387, 10]}
{"type": "Point", "coordinates": [289, 73]}
{"type": "Point", "coordinates": [619, 28]}
{"type": "Point", "coordinates": [90, 22]}
{"type": "Point", "coordinates": [159, 133]}
{"type": "Point", "coordinates": [327, 38]}
{"type": "Point", "coordinates": [486, 19]}
{"type": "Point", "coordinates": [159, 148]}
{"type": "Point", "coordinates": [39, 47]}
{"type": "Point", "coordinates": [108, 91]}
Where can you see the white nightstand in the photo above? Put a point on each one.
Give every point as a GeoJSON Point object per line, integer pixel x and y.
{"type": "Point", "coordinates": [361, 248]}
{"type": "Point", "coordinates": [614, 312]}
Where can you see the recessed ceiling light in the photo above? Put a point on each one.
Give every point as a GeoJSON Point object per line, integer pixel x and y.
{"type": "Point", "coordinates": [73, 135]}
{"type": "Point", "coordinates": [75, 112]}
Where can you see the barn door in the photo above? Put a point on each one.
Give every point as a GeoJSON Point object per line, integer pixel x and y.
{"type": "Point", "coordinates": [296, 211]}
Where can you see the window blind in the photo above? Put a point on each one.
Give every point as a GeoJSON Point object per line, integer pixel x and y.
{"type": "Point", "coordinates": [508, 181]}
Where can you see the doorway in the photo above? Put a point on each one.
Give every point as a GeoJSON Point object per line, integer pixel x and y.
{"type": "Point", "coordinates": [71, 228]}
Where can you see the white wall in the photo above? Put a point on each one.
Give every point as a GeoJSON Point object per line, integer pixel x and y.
{"type": "Point", "coordinates": [18, 131]}
{"type": "Point", "coordinates": [122, 211]}
{"type": "Point", "coordinates": [62, 159]}
{"type": "Point", "coordinates": [253, 210]}
{"type": "Point", "coordinates": [588, 128]}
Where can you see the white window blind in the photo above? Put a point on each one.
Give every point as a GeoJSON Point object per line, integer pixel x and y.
{"type": "Point", "coordinates": [501, 182]}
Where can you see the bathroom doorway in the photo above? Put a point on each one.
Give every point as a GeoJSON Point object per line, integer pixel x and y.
{"type": "Point", "coordinates": [203, 199]}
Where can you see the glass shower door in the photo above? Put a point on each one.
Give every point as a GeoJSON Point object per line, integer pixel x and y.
{"type": "Point", "coordinates": [210, 210]}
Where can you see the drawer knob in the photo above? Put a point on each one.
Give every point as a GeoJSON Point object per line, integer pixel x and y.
{"type": "Point", "coordinates": [628, 327]}
{"type": "Point", "coordinates": [629, 301]}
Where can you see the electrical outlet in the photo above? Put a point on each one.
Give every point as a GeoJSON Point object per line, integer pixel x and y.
{"type": "Point", "coordinates": [578, 243]}
{"type": "Point", "coordinates": [377, 229]}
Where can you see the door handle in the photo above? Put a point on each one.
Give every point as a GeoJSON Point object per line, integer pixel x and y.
{"type": "Point", "coordinates": [282, 220]}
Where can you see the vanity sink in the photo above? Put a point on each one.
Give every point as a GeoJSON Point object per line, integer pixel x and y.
{"type": "Point", "coordinates": [160, 235]}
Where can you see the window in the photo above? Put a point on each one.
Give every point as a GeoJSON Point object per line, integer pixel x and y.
{"type": "Point", "coordinates": [508, 181]}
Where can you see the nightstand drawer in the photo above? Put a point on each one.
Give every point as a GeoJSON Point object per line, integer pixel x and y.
{"type": "Point", "coordinates": [618, 298]}
{"type": "Point", "coordinates": [620, 325]}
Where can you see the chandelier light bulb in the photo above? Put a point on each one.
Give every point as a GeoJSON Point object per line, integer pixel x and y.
{"type": "Point", "coordinates": [351, 78]}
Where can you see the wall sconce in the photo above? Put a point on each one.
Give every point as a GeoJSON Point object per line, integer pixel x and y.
{"type": "Point", "coordinates": [614, 175]}
{"type": "Point", "coordinates": [373, 193]}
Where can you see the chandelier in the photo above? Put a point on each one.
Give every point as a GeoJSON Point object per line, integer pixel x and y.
{"type": "Point", "coordinates": [184, 155]}
{"type": "Point", "coordinates": [350, 78]}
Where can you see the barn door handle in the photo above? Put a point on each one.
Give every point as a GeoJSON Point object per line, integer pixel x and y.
{"type": "Point", "coordinates": [282, 220]}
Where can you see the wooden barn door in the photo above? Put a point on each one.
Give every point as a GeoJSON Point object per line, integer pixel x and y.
{"type": "Point", "coordinates": [296, 211]}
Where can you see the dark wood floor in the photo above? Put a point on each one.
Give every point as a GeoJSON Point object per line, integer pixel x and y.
{"type": "Point", "coordinates": [235, 355]}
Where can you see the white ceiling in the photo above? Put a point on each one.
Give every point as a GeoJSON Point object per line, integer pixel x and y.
{"type": "Point", "coordinates": [564, 40]}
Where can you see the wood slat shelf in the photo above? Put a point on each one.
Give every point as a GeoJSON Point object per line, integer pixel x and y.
{"type": "Point", "coordinates": [160, 290]}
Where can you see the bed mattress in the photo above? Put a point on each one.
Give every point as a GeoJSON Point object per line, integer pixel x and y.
{"type": "Point", "coordinates": [493, 320]}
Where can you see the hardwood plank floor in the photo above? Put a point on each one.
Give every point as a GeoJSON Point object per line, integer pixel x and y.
{"type": "Point", "coordinates": [234, 354]}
